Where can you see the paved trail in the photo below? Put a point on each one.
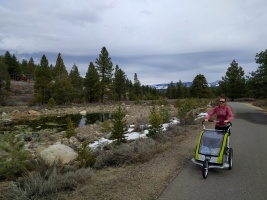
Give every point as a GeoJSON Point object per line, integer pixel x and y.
{"type": "Point", "coordinates": [248, 178]}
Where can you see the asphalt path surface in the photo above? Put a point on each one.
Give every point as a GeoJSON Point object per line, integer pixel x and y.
{"type": "Point", "coordinates": [248, 178]}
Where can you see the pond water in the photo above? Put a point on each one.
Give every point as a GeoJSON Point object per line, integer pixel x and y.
{"type": "Point", "coordinates": [55, 122]}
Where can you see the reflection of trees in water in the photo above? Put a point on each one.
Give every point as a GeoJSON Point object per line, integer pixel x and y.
{"type": "Point", "coordinates": [55, 122]}
{"type": "Point", "coordinates": [94, 117]}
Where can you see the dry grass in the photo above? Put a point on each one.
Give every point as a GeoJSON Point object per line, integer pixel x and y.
{"type": "Point", "coordinates": [36, 186]}
{"type": "Point", "coordinates": [138, 151]}
{"type": "Point", "coordinates": [260, 103]}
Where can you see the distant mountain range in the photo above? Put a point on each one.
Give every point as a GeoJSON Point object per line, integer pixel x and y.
{"type": "Point", "coordinates": [163, 86]}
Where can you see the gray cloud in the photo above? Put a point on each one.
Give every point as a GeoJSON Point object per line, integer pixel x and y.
{"type": "Point", "coordinates": [161, 41]}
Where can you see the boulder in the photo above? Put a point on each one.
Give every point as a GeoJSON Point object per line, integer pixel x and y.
{"type": "Point", "coordinates": [83, 112]}
{"type": "Point", "coordinates": [33, 112]}
{"type": "Point", "coordinates": [58, 153]}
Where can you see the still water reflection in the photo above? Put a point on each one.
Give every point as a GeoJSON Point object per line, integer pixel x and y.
{"type": "Point", "coordinates": [59, 123]}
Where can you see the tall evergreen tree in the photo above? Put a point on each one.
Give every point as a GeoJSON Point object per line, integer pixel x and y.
{"type": "Point", "coordinates": [180, 89]}
{"type": "Point", "coordinates": [171, 91]}
{"type": "Point", "coordinates": [12, 65]}
{"type": "Point", "coordinates": [16, 66]}
{"type": "Point", "coordinates": [258, 79]}
{"type": "Point", "coordinates": [8, 62]}
{"type": "Point", "coordinates": [4, 81]}
{"type": "Point", "coordinates": [62, 90]}
{"type": "Point", "coordinates": [119, 83]}
{"type": "Point", "coordinates": [105, 70]}
{"type": "Point", "coordinates": [28, 68]}
{"type": "Point", "coordinates": [199, 87]}
{"type": "Point", "coordinates": [31, 69]}
{"type": "Point", "coordinates": [43, 78]}
{"type": "Point", "coordinates": [91, 84]}
{"type": "Point", "coordinates": [119, 128]}
{"type": "Point", "coordinates": [59, 71]}
{"type": "Point", "coordinates": [233, 84]}
{"type": "Point", "coordinates": [137, 87]}
{"type": "Point", "coordinates": [23, 67]}
{"type": "Point", "coordinates": [77, 82]}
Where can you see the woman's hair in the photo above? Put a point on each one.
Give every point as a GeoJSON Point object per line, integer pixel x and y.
{"type": "Point", "coordinates": [223, 97]}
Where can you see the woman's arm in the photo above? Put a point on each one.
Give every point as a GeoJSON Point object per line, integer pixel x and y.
{"type": "Point", "coordinates": [230, 114]}
{"type": "Point", "coordinates": [210, 113]}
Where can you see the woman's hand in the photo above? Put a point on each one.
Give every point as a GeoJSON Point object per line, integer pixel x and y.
{"type": "Point", "coordinates": [226, 121]}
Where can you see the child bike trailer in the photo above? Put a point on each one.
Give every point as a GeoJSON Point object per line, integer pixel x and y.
{"type": "Point", "coordinates": [213, 149]}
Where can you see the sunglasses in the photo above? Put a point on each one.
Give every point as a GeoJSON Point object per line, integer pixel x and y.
{"type": "Point", "coordinates": [222, 101]}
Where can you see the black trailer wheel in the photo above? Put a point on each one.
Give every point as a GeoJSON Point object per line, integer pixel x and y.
{"type": "Point", "coordinates": [205, 169]}
{"type": "Point", "coordinates": [230, 158]}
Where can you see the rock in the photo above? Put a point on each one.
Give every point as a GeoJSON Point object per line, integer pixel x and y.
{"type": "Point", "coordinates": [27, 138]}
{"type": "Point", "coordinates": [33, 112]}
{"type": "Point", "coordinates": [83, 112]}
{"type": "Point", "coordinates": [15, 112]}
{"type": "Point", "coordinates": [58, 152]}
{"type": "Point", "coordinates": [73, 140]}
{"type": "Point", "coordinates": [4, 114]}
{"type": "Point", "coordinates": [65, 141]}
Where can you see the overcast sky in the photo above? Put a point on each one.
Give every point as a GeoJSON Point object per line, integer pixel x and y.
{"type": "Point", "coordinates": [160, 40]}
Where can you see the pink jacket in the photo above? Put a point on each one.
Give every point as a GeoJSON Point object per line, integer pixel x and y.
{"type": "Point", "coordinates": [222, 113]}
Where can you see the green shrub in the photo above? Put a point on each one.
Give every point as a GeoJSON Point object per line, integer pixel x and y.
{"type": "Point", "coordinates": [163, 101]}
{"type": "Point", "coordinates": [85, 156]}
{"type": "Point", "coordinates": [106, 126]}
{"type": "Point", "coordinates": [119, 128]}
{"type": "Point", "coordinates": [165, 113]}
{"type": "Point", "coordinates": [14, 160]}
{"type": "Point", "coordinates": [155, 120]}
{"type": "Point", "coordinates": [70, 129]}
{"type": "Point", "coordinates": [137, 102]}
{"type": "Point", "coordinates": [185, 109]}
{"type": "Point", "coordinates": [51, 102]}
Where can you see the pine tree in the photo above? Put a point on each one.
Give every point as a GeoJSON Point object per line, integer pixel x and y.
{"type": "Point", "coordinates": [8, 62]}
{"type": "Point", "coordinates": [12, 65]}
{"type": "Point", "coordinates": [28, 68]}
{"type": "Point", "coordinates": [77, 82]}
{"type": "Point", "coordinates": [155, 120]}
{"type": "Point", "coordinates": [258, 79]}
{"type": "Point", "coordinates": [233, 84]}
{"type": "Point", "coordinates": [119, 83]}
{"type": "Point", "coordinates": [119, 128]}
{"type": "Point", "coordinates": [104, 68]}
{"type": "Point", "coordinates": [43, 81]}
{"type": "Point", "coordinates": [15, 66]}
{"type": "Point", "coordinates": [199, 87]}
{"type": "Point", "coordinates": [137, 87]}
{"type": "Point", "coordinates": [15, 160]}
{"type": "Point", "coordinates": [180, 89]}
{"type": "Point", "coordinates": [23, 66]}
{"type": "Point", "coordinates": [4, 81]}
{"type": "Point", "coordinates": [171, 91]}
{"type": "Point", "coordinates": [62, 90]}
{"type": "Point", "coordinates": [70, 128]}
{"type": "Point", "coordinates": [31, 67]}
{"type": "Point", "coordinates": [91, 84]}
{"type": "Point", "coordinates": [59, 71]}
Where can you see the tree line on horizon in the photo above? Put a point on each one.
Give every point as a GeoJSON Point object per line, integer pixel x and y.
{"type": "Point", "coordinates": [102, 83]}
